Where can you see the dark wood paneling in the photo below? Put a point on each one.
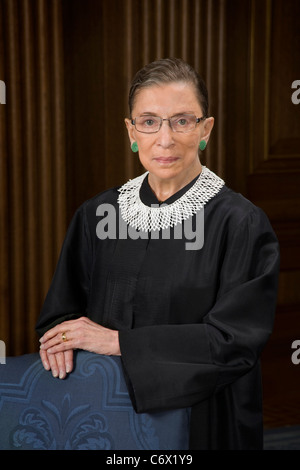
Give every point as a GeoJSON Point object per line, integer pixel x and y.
{"type": "Point", "coordinates": [32, 189]}
{"type": "Point", "coordinates": [274, 158]}
{"type": "Point", "coordinates": [263, 162]}
{"type": "Point", "coordinates": [273, 179]}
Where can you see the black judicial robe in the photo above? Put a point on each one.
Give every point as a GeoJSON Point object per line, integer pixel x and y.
{"type": "Point", "coordinates": [192, 323]}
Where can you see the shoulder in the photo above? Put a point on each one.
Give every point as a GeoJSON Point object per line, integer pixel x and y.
{"type": "Point", "coordinates": [236, 211]}
{"type": "Point", "coordinates": [85, 216]}
{"type": "Point", "coordinates": [89, 207]}
{"type": "Point", "coordinates": [234, 203]}
{"type": "Point", "coordinates": [107, 196]}
{"type": "Point", "coordinates": [110, 196]}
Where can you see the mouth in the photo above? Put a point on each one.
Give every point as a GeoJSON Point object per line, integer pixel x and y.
{"type": "Point", "coordinates": [165, 160]}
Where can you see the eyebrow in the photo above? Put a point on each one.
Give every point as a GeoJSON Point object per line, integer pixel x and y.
{"type": "Point", "coordinates": [147, 113]}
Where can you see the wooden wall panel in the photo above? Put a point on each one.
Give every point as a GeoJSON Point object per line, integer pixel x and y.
{"type": "Point", "coordinates": [273, 179]}
{"type": "Point", "coordinates": [236, 94]}
{"type": "Point", "coordinates": [274, 62]}
{"type": "Point", "coordinates": [274, 157]}
{"type": "Point", "coordinates": [32, 191]}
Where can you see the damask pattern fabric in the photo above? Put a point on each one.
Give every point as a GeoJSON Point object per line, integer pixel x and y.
{"type": "Point", "coordinates": [89, 410]}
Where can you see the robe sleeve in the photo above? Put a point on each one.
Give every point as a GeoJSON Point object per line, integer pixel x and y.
{"type": "Point", "coordinates": [67, 297]}
{"type": "Point", "coordinates": [171, 366]}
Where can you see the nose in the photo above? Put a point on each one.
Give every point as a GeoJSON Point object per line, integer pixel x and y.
{"type": "Point", "coordinates": [165, 134]}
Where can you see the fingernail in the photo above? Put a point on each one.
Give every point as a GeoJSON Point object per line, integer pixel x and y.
{"type": "Point", "coordinates": [61, 375]}
{"type": "Point", "coordinates": [55, 373]}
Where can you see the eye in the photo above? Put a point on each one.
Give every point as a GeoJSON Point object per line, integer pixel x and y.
{"type": "Point", "coordinates": [148, 122]}
{"type": "Point", "coordinates": [182, 121]}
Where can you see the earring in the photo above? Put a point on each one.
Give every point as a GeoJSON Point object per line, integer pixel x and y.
{"type": "Point", "coordinates": [134, 147]}
{"type": "Point", "coordinates": [202, 145]}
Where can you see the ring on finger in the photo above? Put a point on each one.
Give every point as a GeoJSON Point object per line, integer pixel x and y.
{"type": "Point", "coordinates": [64, 337]}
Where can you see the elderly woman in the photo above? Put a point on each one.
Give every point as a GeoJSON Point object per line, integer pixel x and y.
{"type": "Point", "coordinates": [189, 317]}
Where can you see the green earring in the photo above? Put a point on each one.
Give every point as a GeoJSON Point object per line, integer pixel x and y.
{"type": "Point", "coordinates": [134, 147]}
{"type": "Point", "coordinates": [202, 145]}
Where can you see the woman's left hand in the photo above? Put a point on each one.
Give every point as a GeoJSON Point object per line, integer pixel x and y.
{"type": "Point", "coordinates": [81, 333]}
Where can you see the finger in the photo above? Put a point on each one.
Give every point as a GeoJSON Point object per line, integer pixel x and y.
{"type": "Point", "coordinates": [61, 364]}
{"type": "Point", "coordinates": [56, 330]}
{"type": "Point", "coordinates": [69, 360]}
{"type": "Point", "coordinates": [49, 334]}
{"type": "Point", "coordinates": [57, 345]}
{"type": "Point", "coordinates": [53, 364]}
{"type": "Point", "coordinates": [58, 339]}
{"type": "Point", "coordinates": [44, 359]}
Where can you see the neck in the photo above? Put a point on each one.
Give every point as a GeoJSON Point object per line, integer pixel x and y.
{"type": "Point", "coordinates": [164, 188]}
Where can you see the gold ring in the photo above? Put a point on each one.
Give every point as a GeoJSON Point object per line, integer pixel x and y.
{"type": "Point", "coordinates": [63, 337]}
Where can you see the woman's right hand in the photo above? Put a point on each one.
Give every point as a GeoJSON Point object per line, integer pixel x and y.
{"type": "Point", "coordinates": [60, 363]}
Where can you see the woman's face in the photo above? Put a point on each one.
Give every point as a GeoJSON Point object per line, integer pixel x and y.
{"type": "Point", "coordinates": [167, 154]}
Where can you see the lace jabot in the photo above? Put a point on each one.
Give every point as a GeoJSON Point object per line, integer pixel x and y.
{"type": "Point", "coordinates": [148, 219]}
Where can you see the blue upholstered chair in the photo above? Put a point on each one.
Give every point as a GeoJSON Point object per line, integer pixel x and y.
{"type": "Point", "coordinates": [90, 409]}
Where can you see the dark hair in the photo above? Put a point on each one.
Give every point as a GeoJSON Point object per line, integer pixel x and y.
{"type": "Point", "coordinates": [166, 71]}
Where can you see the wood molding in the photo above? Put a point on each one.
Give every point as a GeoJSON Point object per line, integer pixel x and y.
{"type": "Point", "coordinates": [274, 140]}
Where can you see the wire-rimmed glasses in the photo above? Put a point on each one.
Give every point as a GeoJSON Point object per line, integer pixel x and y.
{"type": "Point", "coordinates": [149, 124]}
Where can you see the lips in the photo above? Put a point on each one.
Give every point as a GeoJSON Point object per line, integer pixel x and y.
{"type": "Point", "coordinates": [166, 160]}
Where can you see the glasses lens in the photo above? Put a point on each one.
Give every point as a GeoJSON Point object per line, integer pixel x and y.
{"type": "Point", "coordinates": [183, 122]}
{"type": "Point", "coordinates": [147, 124]}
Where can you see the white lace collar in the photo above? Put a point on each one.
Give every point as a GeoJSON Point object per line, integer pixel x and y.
{"type": "Point", "coordinates": [148, 219]}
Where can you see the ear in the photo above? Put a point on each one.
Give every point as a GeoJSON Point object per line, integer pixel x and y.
{"type": "Point", "coordinates": [207, 128]}
{"type": "Point", "coordinates": [130, 130]}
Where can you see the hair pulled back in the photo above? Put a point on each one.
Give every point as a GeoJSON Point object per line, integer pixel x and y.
{"type": "Point", "coordinates": [165, 71]}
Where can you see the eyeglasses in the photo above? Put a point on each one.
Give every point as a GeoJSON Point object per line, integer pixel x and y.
{"type": "Point", "coordinates": [179, 123]}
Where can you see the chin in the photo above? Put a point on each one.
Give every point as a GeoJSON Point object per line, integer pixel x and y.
{"type": "Point", "coordinates": [165, 173]}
